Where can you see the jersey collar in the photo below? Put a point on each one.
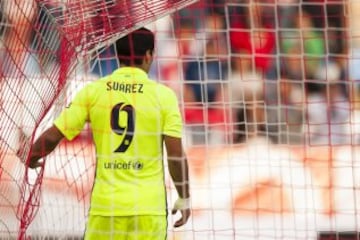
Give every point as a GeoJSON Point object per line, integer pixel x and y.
{"type": "Point", "coordinates": [138, 72]}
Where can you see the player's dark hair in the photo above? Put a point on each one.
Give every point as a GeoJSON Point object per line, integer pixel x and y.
{"type": "Point", "coordinates": [132, 48]}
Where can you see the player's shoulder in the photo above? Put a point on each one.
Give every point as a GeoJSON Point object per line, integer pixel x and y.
{"type": "Point", "coordinates": [81, 83]}
{"type": "Point", "coordinates": [164, 89]}
{"type": "Point", "coordinates": [96, 82]}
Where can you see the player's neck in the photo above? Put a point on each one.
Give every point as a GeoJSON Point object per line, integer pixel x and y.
{"type": "Point", "coordinates": [142, 67]}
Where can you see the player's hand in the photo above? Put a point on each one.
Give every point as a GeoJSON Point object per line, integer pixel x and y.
{"type": "Point", "coordinates": [30, 163]}
{"type": "Point", "coordinates": [182, 205]}
{"type": "Point", "coordinates": [35, 163]}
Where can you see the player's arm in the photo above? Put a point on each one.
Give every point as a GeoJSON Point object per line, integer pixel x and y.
{"type": "Point", "coordinates": [44, 145]}
{"type": "Point", "coordinates": [69, 124]}
{"type": "Point", "coordinates": [179, 172]}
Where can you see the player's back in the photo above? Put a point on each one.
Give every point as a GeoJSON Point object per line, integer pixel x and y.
{"type": "Point", "coordinates": [127, 114]}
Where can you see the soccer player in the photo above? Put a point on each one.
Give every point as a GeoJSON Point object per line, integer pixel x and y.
{"type": "Point", "coordinates": [131, 117]}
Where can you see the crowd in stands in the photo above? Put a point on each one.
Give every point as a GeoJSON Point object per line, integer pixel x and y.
{"type": "Point", "coordinates": [247, 68]}
{"type": "Point", "coordinates": [254, 68]}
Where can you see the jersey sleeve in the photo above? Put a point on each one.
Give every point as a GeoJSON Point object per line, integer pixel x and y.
{"type": "Point", "coordinates": [172, 118]}
{"type": "Point", "coordinates": [72, 119]}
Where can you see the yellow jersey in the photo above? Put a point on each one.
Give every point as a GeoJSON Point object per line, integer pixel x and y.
{"type": "Point", "coordinates": [128, 114]}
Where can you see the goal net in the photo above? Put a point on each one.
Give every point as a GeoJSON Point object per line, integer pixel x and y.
{"type": "Point", "coordinates": [268, 91]}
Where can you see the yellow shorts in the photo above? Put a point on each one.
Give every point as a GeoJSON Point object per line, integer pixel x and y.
{"type": "Point", "coordinates": [127, 227]}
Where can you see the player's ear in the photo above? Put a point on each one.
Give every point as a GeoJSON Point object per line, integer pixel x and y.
{"type": "Point", "coordinates": [149, 56]}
